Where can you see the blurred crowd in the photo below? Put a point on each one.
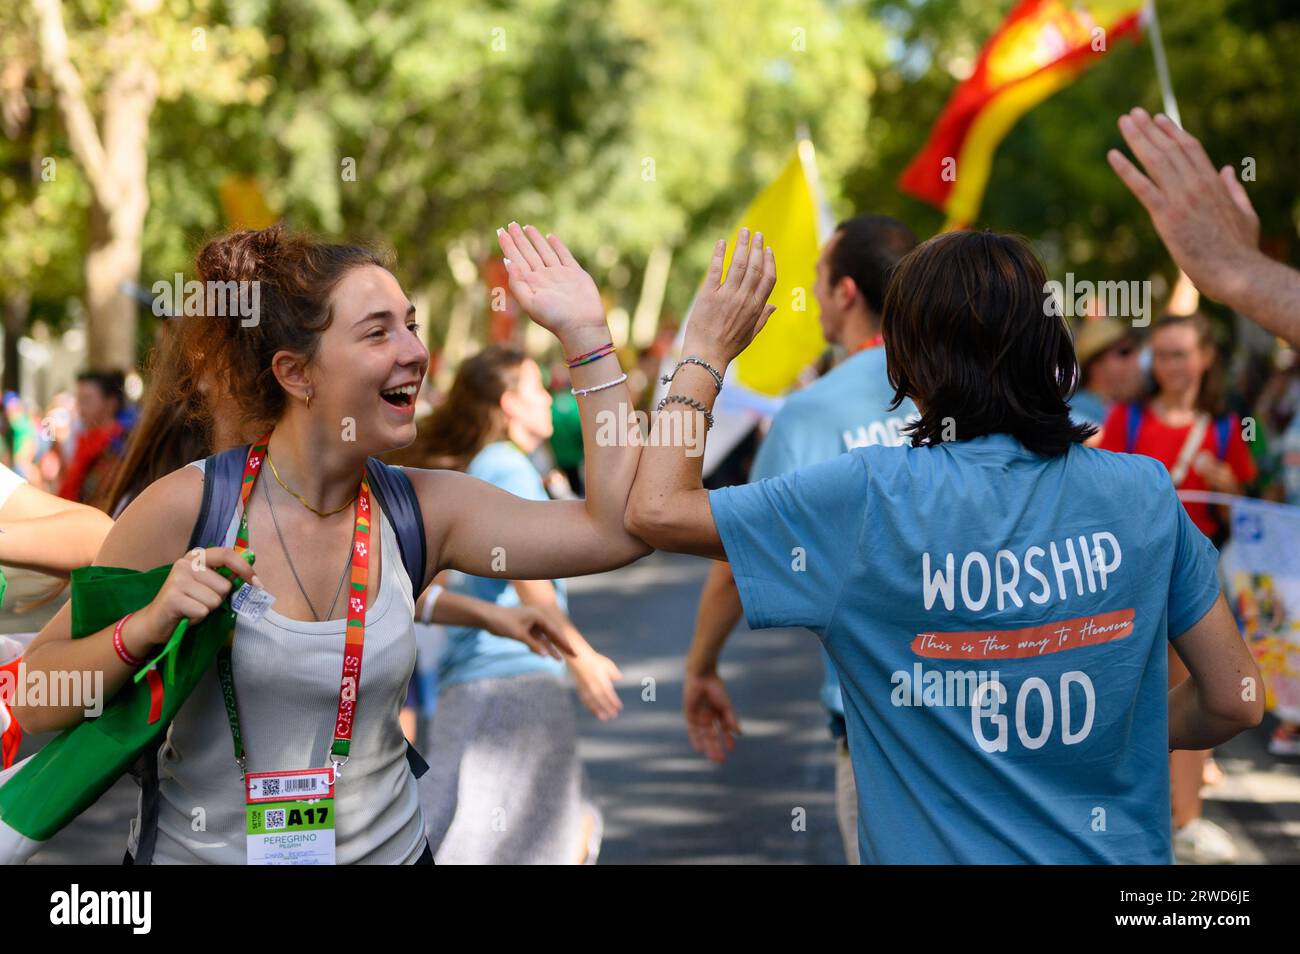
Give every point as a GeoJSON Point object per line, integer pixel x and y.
{"type": "Point", "coordinates": [72, 446]}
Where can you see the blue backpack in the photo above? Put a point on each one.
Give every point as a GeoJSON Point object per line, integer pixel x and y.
{"type": "Point", "coordinates": [222, 476]}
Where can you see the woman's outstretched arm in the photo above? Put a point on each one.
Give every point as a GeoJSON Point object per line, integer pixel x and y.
{"type": "Point", "coordinates": [483, 530]}
{"type": "Point", "coordinates": [39, 531]}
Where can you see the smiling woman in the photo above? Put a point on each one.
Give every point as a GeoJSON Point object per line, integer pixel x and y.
{"type": "Point", "coordinates": [328, 374]}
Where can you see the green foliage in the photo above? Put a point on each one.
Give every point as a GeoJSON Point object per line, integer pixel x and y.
{"type": "Point", "coordinates": [620, 124]}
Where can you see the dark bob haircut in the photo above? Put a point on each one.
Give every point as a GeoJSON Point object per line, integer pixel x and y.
{"type": "Point", "coordinates": [972, 336]}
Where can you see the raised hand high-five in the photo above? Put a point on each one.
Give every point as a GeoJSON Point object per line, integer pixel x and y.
{"type": "Point", "coordinates": [1204, 217]}
{"type": "Point", "coordinates": [548, 281]}
{"type": "Point", "coordinates": [1207, 222]}
{"type": "Point", "coordinates": [729, 313]}
{"type": "Point", "coordinates": [668, 500]}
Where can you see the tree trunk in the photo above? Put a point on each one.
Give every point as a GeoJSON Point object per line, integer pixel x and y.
{"type": "Point", "coordinates": [117, 220]}
{"type": "Point", "coordinates": [115, 162]}
{"type": "Point", "coordinates": [16, 305]}
{"type": "Point", "coordinates": [645, 320]}
{"type": "Point", "coordinates": [110, 314]}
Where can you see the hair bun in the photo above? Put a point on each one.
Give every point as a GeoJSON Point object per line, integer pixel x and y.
{"type": "Point", "coordinates": [239, 256]}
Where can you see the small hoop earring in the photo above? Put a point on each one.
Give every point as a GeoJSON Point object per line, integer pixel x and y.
{"type": "Point", "coordinates": [309, 400]}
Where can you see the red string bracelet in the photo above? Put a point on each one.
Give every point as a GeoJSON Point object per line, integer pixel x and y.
{"type": "Point", "coordinates": [120, 646]}
{"type": "Point", "coordinates": [592, 355]}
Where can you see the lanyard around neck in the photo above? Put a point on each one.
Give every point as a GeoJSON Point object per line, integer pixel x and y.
{"type": "Point", "coordinates": [354, 633]}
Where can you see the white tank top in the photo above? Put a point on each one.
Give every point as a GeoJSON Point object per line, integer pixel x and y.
{"type": "Point", "coordinates": [287, 684]}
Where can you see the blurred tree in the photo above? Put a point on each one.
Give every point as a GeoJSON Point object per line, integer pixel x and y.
{"type": "Point", "coordinates": [39, 242]}
{"type": "Point", "coordinates": [105, 80]}
{"type": "Point", "coordinates": [636, 129]}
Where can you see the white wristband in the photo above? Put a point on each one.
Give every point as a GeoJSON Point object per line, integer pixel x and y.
{"type": "Point", "coordinates": [579, 392]}
{"type": "Point", "coordinates": [426, 613]}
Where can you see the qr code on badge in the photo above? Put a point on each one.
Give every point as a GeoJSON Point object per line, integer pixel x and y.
{"type": "Point", "coordinates": [274, 818]}
{"type": "Point", "coordinates": [270, 786]}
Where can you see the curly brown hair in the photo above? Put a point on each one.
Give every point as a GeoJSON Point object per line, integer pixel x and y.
{"type": "Point", "coordinates": [295, 275]}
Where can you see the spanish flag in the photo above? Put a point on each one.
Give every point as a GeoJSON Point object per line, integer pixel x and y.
{"type": "Point", "coordinates": [1040, 48]}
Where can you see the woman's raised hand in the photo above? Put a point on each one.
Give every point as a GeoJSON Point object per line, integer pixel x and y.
{"type": "Point", "coordinates": [728, 314]}
{"type": "Point", "coordinates": [548, 282]}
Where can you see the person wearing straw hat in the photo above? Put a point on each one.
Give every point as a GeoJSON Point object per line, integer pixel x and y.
{"type": "Point", "coordinates": [1109, 372]}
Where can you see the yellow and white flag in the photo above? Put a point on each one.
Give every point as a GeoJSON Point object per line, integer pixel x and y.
{"type": "Point", "coordinates": [786, 212]}
{"type": "Point", "coordinates": [794, 222]}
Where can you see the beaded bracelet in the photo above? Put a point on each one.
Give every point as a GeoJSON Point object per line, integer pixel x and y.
{"type": "Point", "coordinates": [717, 378]}
{"type": "Point", "coordinates": [690, 402]}
{"type": "Point", "coordinates": [595, 354]}
{"type": "Point", "coordinates": [120, 646]}
{"type": "Point", "coordinates": [579, 392]}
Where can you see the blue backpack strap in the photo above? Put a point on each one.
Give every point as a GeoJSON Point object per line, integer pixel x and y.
{"type": "Point", "coordinates": [222, 474]}
{"type": "Point", "coordinates": [396, 497]}
{"type": "Point", "coordinates": [1134, 423]}
{"type": "Point", "coordinates": [1223, 434]}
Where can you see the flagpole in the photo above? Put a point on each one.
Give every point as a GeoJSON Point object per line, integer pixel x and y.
{"type": "Point", "coordinates": [808, 159]}
{"type": "Point", "coordinates": [1162, 64]}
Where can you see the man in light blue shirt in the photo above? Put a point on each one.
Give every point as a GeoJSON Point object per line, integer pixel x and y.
{"type": "Point", "coordinates": [1031, 632]}
{"type": "Point", "coordinates": [848, 407]}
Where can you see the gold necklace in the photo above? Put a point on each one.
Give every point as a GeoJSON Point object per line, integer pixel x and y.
{"type": "Point", "coordinates": [297, 496]}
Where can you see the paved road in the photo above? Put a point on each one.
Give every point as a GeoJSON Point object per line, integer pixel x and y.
{"type": "Point", "coordinates": [663, 803]}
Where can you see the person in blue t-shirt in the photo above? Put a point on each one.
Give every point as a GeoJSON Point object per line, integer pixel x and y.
{"type": "Point", "coordinates": [996, 596]}
{"type": "Point", "coordinates": [505, 783]}
{"type": "Point", "coordinates": [848, 407]}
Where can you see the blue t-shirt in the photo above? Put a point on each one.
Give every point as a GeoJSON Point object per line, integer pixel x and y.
{"type": "Point", "coordinates": [847, 407]}
{"type": "Point", "coordinates": [476, 653]}
{"type": "Point", "coordinates": [999, 623]}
